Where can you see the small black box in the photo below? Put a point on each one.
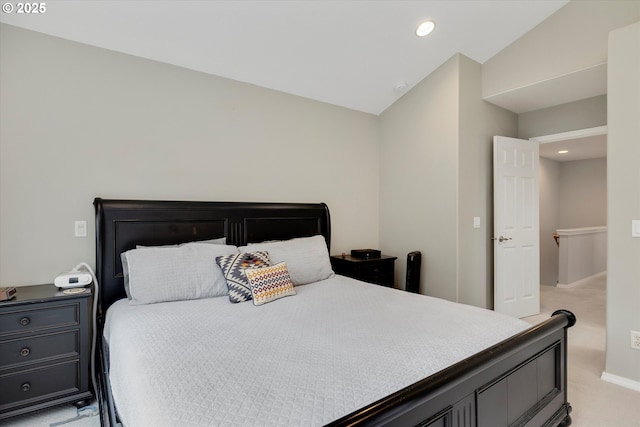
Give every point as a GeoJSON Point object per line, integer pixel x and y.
{"type": "Point", "coordinates": [365, 253]}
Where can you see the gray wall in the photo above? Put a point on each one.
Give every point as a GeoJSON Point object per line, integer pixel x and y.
{"type": "Point", "coordinates": [549, 181]}
{"type": "Point", "coordinates": [79, 122]}
{"type": "Point", "coordinates": [569, 41]}
{"type": "Point", "coordinates": [436, 176]}
{"type": "Point", "coordinates": [623, 175]}
{"type": "Point", "coordinates": [583, 193]}
{"type": "Point", "coordinates": [584, 114]}
{"type": "Point", "coordinates": [418, 179]}
{"type": "Point", "coordinates": [478, 123]}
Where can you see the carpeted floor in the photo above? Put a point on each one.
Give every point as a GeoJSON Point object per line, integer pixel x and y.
{"type": "Point", "coordinates": [596, 403]}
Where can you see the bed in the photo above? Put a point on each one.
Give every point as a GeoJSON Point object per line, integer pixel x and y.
{"type": "Point", "coordinates": [333, 351]}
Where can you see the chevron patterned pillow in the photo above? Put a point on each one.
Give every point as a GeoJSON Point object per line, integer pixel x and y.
{"type": "Point", "coordinates": [270, 283]}
{"type": "Point", "coordinates": [232, 267]}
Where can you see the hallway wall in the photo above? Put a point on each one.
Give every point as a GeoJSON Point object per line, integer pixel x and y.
{"type": "Point", "coordinates": [549, 179]}
{"type": "Point", "coordinates": [572, 194]}
{"type": "Point", "coordinates": [583, 193]}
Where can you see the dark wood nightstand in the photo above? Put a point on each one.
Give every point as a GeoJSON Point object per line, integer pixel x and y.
{"type": "Point", "coordinates": [45, 349]}
{"type": "Point", "coordinates": [380, 271]}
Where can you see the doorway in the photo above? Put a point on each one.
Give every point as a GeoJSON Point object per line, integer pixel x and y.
{"type": "Point", "coordinates": [572, 189]}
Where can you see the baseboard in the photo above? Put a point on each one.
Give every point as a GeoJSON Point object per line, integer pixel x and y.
{"type": "Point", "coordinates": [621, 381]}
{"type": "Point", "coordinates": [581, 281]}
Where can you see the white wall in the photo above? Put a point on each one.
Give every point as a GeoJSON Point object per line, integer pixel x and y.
{"type": "Point", "coordinates": [79, 122]}
{"type": "Point", "coordinates": [623, 175]}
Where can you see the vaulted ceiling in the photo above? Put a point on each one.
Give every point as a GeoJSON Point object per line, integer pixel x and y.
{"type": "Point", "coordinates": [358, 54]}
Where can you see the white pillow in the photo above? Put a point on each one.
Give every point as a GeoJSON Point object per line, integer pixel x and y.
{"type": "Point", "coordinates": [189, 271]}
{"type": "Point", "coordinates": [307, 258]}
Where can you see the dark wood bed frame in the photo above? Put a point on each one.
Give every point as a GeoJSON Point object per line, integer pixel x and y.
{"type": "Point", "coordinates": [521, 381]}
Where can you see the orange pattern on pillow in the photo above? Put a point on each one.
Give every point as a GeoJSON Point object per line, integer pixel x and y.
{"type": "Point", "coordinates": [270, 283]}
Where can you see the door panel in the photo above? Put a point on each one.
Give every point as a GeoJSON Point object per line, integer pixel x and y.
{"type": "Point", "coordinates": [516, 224]}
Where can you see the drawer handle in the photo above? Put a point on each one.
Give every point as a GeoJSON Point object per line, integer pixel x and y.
{"type": "Point", "coordinates": [25, 352]}
{"type": "Point", "coordinates": [25, 387]}
{"type": "Point", "coordinates": [25, 321]}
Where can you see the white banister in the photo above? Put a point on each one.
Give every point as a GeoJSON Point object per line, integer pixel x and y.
{"type": "Point", "coordinates": [583, 254]}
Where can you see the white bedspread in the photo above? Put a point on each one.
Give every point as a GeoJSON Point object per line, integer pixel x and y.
{"type": "Point", "coordinates": [304, 360]}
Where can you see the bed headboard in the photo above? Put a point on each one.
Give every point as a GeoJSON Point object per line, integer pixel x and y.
{"type": "Point", "coordinates": [123, 224]}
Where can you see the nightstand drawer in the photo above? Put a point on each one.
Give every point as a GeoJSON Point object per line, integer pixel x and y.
{"type": "Point", "coordinates": [50, 317]}
{"type": "Point", "coordinates": [38, 384]}
{"type": "Point", "coordinates": [373, 270]}
{"type": "Point", "coordinates": [39, 348]}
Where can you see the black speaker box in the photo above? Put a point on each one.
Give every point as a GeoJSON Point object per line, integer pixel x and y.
{"type": "Point", "coordinates": [365, 253]}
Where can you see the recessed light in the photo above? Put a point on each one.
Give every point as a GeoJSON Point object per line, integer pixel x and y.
{"type": "Point", "coordinates": [563, 151]}
{"type": "Point", "coordinates": [425, 28]}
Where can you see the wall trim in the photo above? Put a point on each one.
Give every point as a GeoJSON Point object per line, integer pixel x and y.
{"type": "Point", "coordinates": [621, 381]}
{"type": "Point", "coordinates": [580, 133]}
{"type": "Point", "coordinates": [582, 230]}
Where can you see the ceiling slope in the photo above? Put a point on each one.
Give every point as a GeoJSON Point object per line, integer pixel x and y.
{"type": "Point", "coordinates": [347, 53]}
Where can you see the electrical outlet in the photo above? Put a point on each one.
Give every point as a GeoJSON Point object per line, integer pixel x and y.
{"type": "Point", "coordinates": [635, 340]}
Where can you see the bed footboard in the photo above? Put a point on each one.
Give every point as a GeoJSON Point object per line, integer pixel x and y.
{"type": "Point", "coordinates": [521, 381]}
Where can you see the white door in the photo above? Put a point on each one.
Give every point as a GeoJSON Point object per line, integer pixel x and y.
{"type": "Point", "coordinates": [516, 237]}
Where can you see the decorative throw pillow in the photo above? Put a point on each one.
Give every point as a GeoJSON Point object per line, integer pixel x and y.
{"type": "Point", "coordinates": [270, 283]}
{"type": "Point", "coordinates": [232, 267]}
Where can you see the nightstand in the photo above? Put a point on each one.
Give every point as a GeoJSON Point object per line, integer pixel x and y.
{"type": "Point", "coordinates": [373, 270]}
{"type": "Point", "coordinates": [45, 349]}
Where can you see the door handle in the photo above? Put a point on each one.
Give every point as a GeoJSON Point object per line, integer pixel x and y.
{"type": "Point", "coordinates": [501, 239]}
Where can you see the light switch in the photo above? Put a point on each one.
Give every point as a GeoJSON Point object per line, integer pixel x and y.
{"type": "Point", "coordinates": [476, 222]}
{"type": "Point", "coordinates": [635, 228]}
{"type": "Point", "coordinates": [81, 229]}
